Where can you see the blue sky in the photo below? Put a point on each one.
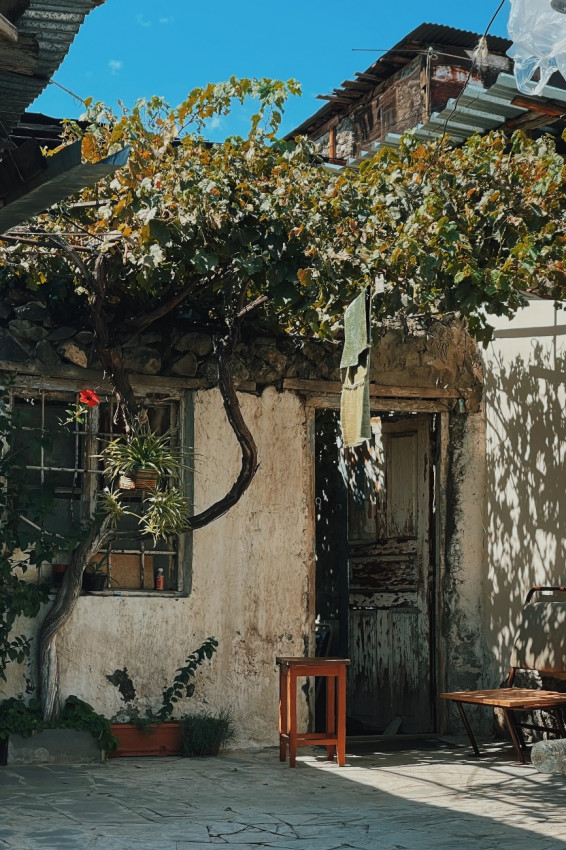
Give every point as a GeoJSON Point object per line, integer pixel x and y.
{"type": "Point", "coordinates": [135, 48]}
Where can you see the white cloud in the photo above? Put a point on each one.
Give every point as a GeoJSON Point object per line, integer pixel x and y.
{"type": "Point", "coordinates": [166, 20]}
{"type": "Point", "coordinates": [115, 65]}
{"type": "Point", "coordinates": [143, 22]}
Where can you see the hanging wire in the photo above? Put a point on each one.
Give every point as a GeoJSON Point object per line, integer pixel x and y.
{"type": "Point", "coordinates": [478, 55]}
{"type": "Point", "coordinates": [68, 91]}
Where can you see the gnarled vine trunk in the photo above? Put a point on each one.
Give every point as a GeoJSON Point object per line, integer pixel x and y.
{"type": "Point", "coordinates": [61, 610]}
{"type": "Point", "coordinates": [111, 360]}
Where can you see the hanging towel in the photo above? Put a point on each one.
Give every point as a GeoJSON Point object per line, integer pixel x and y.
{"type": "Point", "coordinates": [354, 403]}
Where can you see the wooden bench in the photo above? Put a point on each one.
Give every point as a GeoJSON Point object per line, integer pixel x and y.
{"type": "Point", "coordinates": [540, 645]}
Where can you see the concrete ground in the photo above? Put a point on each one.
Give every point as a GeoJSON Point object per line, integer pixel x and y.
{"type": "Point", "coordinates": [429, 796]}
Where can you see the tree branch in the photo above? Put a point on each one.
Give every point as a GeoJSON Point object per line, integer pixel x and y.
{"type": "Point", "coordinates": [59, 613]}
{"type": "Point", "coordinates": [140, 324]}
{"type": "Point", "coordinates": [243, 434]}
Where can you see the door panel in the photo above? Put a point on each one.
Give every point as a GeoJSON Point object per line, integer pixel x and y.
{"type": "Point", "coordinates": [388, 553]}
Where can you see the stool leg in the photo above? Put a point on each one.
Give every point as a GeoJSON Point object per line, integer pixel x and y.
{"type": "Point", "coordinates": [283, 727]}
{"type": "Point", "coordinates": [341, 718]}
{"type": "Point", "coordinates": [292, 725]}
{"type": "Point", "coordinates": [330, 714]}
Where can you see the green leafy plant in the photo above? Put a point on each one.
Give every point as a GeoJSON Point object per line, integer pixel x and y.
{"type": "Point", "coordinates": [77, 714]}
{"type": "Point", "coordinates": [18, 717]}
{"type": "Point", "coordinates": [183, 675]}
{"type": "Point", "coordinates": [181, 687]}
{"type": "Point", "coordinates": [205, 733]}
{"type": "Point", "coordinates": [165, 512]}
{"type": "Point", "coordinates": [18, 596]}
{"type": "Point", "coordinates": [143, 449]}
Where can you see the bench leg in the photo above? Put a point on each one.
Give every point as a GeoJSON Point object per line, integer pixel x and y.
{"type": "Point", "coordinates": [510, 720]}
{"type": "Point", "coordinates": [468, 728]}
{"type": "Point", "coordinates": [518, 729]}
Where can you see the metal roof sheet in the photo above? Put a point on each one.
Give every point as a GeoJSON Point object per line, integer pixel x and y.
{"type": "Point", "coordinates": [476, 110]}
{"type": "Point", "coordinates": [53, 24]}
{"type": "Point", "coordinates": [63, 176]}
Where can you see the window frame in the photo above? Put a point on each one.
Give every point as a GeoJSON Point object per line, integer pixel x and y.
{"type": "Point", "coordinates": [22, 386]}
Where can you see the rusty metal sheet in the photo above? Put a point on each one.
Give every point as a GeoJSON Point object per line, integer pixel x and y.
{"type": "Point", "coordinates": [53, 24]}
{"type": "Point", "coordinates": [63, 176]}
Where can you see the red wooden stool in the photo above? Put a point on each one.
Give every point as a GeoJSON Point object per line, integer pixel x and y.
{"type": "Point", "coordinates": [334, 670]}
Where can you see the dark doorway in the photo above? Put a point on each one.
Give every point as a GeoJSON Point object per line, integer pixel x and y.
{"type": "Point", "coordinates": [374, 578]}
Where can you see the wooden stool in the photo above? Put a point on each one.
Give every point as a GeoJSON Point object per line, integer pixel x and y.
{"type": "Point", "coordinates": [334, 670]}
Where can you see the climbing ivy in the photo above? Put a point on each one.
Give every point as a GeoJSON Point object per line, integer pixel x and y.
{"type": "Point", "coordinates": [22, 545]}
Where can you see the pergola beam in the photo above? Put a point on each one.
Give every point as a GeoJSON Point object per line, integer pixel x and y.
{"type": "Point", "coordinates": [7, 29]}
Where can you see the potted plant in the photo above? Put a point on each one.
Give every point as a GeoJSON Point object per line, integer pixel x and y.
{"type": "Point", "coordinates": [142, 459]}
{"type": "Point", "coordinates": [20, 721]}
{"type": "Point", "coordinates": [154, 733]}
{"type": "Point", "coordinates": [95, 576]}
{"type": "Point", "coordinates": [205, 733]}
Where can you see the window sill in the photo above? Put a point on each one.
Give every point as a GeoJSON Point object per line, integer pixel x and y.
{"type": "Point", "coordinates": [169, 594]}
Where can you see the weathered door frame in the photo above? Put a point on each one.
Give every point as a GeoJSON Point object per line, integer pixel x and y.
{"type": "Point", "coordinates": [398, 404]}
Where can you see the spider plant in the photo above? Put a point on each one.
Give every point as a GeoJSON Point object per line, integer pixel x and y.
{"type": "Point", "coordinates": [165, 512]}
{"type": "Point", "coordinates": [143, 450]}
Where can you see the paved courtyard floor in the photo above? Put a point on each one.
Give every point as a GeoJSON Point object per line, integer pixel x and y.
{"type": "Point", "coordinates": [428, 796]}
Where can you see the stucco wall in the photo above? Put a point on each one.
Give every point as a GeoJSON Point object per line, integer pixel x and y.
{"type": "Point", "coordinates": [526, 482]}
{"type": "Point", "coordinates": [462, 647]}
{"type": "Point", "coordinates": [250, 584]}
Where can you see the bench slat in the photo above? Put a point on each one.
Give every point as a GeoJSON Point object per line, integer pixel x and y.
{"type": "Point", "coordinates": [509, 697]}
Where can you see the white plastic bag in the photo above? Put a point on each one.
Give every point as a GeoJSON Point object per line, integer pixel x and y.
{"type": "Point", "coordinates": [538, 33]}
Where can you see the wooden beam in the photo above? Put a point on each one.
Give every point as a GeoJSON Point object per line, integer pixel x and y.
{"type": "Point", "coordinates": [399, 405]}
{"type": "Point", "coordinates": [377, 390]}
{"type": "Point", "coordinates": [544, 107]}
{"type": "Point", "coordinates": [19, 57]}
{"type": "Point", "coordinates": [7, 29]}
{"type": "Point", "coordinates": [28, 374]}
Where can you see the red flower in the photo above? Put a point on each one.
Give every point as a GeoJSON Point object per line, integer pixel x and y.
{"type": "Point", "coordinates": [89, 397]}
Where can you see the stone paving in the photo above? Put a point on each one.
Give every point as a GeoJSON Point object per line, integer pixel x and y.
{"type": "Point", "coordinates": [433, 796]}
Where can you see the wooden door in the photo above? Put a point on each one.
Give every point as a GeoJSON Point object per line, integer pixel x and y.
{"type": "Point", "coordinates": [389, 509]}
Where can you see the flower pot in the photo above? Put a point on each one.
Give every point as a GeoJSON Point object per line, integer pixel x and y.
{"type": "Point", "coordinates": [162, 739]}
{"type": "Point", "coordinates": [145, 479]}
{"type": "Point", "coordinates": [58, 573]}
{"type": "Point", "coordinates": [94, 581]}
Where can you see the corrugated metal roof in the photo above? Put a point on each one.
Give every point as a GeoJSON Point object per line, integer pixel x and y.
{"type": "Point", "coordinates": [425, 35]}
{"type": "Point", "coordinates": [53, 24]}
{"type": "Point", "coordinates": [64, 176]}
{"type": "Point", "coordinates": [476, 110]}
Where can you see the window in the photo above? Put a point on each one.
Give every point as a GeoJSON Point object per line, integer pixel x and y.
{"type": "Point", "coordinates": [63, 467]}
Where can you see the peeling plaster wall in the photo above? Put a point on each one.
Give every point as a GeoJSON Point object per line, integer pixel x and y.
{"type": "Point", "coordinates": [463, 642]}
{"type": "Point", "coordinates": [251, 573]}
{"type": "Point", "coordinates": [526, 454]}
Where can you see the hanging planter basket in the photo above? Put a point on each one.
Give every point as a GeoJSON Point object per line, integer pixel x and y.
{"type": "Point", "coordinates": [145, 479]}
{"type": "Point", "coordinates": [140, 479]}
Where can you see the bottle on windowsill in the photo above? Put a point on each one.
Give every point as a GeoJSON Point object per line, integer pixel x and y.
{"type": "Point", "coordinates": [160, 580]}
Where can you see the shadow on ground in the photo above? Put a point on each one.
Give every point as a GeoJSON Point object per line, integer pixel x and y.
{"type": "Point", "coordinates": [384, 799]}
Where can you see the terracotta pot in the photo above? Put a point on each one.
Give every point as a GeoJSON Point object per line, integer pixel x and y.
{"type": "Point", "coordinates": [145, 479]}
{"type": "Point", "coordinates": [163, 739]}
